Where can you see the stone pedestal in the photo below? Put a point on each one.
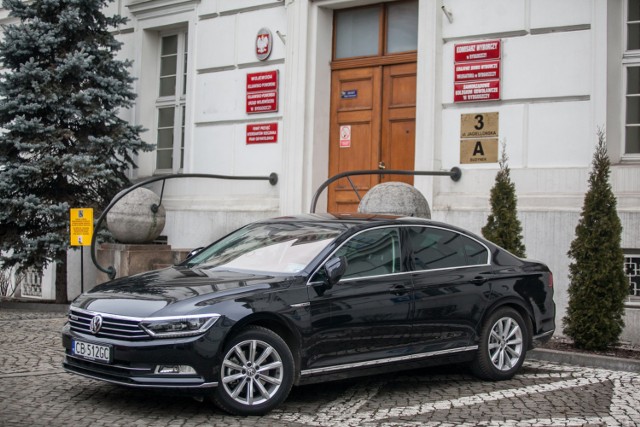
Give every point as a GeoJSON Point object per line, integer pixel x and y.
{"type": "Point", "coordinates": [134, 259]}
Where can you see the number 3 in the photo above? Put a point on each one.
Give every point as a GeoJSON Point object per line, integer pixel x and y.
{"type": "Point", "coordinates": [480, 119]}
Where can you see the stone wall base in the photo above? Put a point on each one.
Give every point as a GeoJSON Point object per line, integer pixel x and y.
{"type": "Point", "coordinates": [134, 259]}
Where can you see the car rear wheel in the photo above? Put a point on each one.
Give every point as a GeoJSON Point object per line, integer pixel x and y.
{"type": "Point", "coordinates": [503, 346]}
{"type": "Point", "coordinates": [256, 373]}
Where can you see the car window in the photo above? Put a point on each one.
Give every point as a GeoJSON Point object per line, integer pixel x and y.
{"type": "Point", "coordinates": [278, 247]}
{"type": "Point", "coordinates": [433, 248]}
{"type": "Point", "coordinates": [372, 253]}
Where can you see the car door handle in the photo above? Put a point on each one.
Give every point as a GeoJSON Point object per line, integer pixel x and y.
{"type": "Point", "coordinates": [479, 280]}
{"type": "Point", "coordinates": [398, 290]}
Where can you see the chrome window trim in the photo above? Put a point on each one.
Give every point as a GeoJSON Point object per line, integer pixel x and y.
{"type": "Point", "coordinates": [376, 362]}
{"type": "Point", "coordinates": [398, 226]}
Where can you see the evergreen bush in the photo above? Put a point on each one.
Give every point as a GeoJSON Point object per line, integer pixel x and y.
{"type": "Point", "coordinates": [63, 145]}
{"type": "Point", "coordinates": [503, 226]}
{"type": "Point", "coordinates": [597, 288]}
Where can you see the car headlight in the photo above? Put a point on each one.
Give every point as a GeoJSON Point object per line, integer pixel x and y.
{"type": "Point", "coordinates": [178, 326]}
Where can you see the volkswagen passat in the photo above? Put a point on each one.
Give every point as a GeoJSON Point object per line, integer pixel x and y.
{"type": "Point", "coordinates": [311, 298]}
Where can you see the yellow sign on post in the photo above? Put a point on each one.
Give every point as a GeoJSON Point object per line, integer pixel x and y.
{"type": "Point", "coordinates": [81, 226]}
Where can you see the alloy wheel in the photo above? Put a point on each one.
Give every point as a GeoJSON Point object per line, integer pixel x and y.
{"type": "Point", "coordinates": [252, 372]}
{"type": "Point", "coordinates": [505, 343]}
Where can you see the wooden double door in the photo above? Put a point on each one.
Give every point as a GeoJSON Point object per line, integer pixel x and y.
{"type": "Point", "coordinates": [373, 112]}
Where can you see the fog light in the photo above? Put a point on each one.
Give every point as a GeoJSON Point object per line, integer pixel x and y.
{"type": "Point", "coordinates": [175, 369]}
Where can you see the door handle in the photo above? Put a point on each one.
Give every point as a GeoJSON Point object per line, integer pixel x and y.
{"type": "Point", "coordinates": [398, 290]}
{"type": "Point", "coordinates": [479, 280]}
{"type": "Point", "coordinates": [382, 166]}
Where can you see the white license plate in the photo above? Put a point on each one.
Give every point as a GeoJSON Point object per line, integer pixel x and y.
{"type": "Point", "coordinates": [91, 351]}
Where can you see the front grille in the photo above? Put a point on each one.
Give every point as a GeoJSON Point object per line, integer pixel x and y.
{"type": "Point", "coordinates": [116, 327]}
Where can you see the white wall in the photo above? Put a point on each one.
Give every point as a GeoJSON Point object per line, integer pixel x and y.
{"type": "Point", "coordinates": [221, 53]}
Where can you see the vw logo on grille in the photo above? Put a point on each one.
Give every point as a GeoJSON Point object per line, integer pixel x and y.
{"type": "Point", "coordinates": [96, 324]}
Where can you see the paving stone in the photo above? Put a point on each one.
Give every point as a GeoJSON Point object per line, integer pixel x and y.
{"type": "Point", "coordinates": [35, 391]}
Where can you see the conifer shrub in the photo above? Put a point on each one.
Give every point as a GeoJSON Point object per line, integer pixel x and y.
{"type": "Point", "coordinates": [63, 143]}
{"type": "Point", "coordinates": [597, 288]}
{"type": "Point", "coordinates": [503, 226]}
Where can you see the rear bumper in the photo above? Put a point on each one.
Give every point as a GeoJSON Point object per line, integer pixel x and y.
{"type": "Point", "coordinates": [538, 340]}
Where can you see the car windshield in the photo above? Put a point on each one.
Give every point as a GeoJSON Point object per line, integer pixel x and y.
{"type": "Point", "coordinates": [272, 247]}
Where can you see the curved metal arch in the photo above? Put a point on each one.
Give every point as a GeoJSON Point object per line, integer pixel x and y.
{"type": "Point", "coordinates": [111, 271]}
{"type": "Point", "coordinates": [455, 174]}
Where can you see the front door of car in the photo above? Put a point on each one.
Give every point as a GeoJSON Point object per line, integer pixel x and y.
{"type": "Point", "coordinates": [367, 314]}
{"type": "Point", "coordinates": [452, 286]}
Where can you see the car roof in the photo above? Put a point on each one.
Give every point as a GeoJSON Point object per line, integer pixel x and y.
{"type": "Point", "coordinates": [362, 219]}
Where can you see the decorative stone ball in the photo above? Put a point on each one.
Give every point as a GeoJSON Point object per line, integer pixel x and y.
{"type": "Point", "coordinates": [395, 198]}
{"type": "Point", "coordinates": [131, 219]}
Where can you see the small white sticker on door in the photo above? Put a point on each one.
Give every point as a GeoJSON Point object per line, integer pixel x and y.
{"type": "Point", "coordinates": [345, 136]}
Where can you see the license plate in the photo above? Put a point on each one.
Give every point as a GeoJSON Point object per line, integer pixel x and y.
{"type": "Point", "coordinates": [91, 351]}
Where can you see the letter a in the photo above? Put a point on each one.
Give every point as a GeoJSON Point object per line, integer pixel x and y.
{"type": "Point", "coordinates": [478, 149]}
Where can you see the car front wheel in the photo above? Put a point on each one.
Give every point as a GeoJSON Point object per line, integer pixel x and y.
{"type": "Point", "coordinates": [503, 346]}
{"type": "Point", "coordinates": [256, 373]}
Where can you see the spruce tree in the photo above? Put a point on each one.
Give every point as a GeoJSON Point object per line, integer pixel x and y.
{"type": "Point", "coordinates": [63, 144]}
{"type": "Point", "coordinates": [503, 226]}
{"type": "Point", "coordinates": [597, 288]}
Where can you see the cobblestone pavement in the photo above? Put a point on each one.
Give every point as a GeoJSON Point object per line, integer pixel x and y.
{"type": "Point", "coordinates": [34, 391]}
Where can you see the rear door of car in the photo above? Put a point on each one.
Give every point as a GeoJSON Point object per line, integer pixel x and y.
{"type": "Point", "coordinates": [452, 285]}
{"type": "Point", "coordinates": [367, 314]}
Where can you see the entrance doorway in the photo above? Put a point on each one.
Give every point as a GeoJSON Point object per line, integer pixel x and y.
{"type": "Point", "coordinates": [373, 98]}
{"type": "Point", "coordinates": [373, 112]}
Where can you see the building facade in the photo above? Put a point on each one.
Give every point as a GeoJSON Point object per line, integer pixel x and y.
{"type": "Point", "coordinates": [310, 88]}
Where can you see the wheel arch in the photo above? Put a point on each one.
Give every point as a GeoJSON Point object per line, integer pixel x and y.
{"type": "Point", "coordinates": [520, 307]}
{"type": "Point", "coordinates": [276, 324]}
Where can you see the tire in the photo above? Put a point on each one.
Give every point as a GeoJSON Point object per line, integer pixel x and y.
{"type": "Point", "coordinates": [503, 346]}
{"type": "Point", "coordinates": [256, 373]}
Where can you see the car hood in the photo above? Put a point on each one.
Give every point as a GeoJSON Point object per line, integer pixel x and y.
{"type": "Point", "coordinates": [174, 291]}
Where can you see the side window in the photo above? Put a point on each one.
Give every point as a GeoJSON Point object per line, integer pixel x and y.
{"type": "Point", "coordinates": [433, 248]}
{"type": "Point", "coordinates": [372, 253]}
{"type": "Point", "coordinates": [476, 253]}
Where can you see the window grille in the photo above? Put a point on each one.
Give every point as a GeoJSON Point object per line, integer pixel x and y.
{"type": "Point", "coordinates": [632, 271]}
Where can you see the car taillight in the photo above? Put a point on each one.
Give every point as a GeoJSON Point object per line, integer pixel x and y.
{"type": "Point", "coordinates": [550, 279]}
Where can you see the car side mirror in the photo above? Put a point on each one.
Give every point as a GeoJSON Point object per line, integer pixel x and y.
{"type": "Point", "coordinates": [335, 269]}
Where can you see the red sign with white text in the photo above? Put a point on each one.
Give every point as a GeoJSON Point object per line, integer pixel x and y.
{"type": "Point", "coordinates": [259, 82]}
{"type": "Point", "coordinates": [262, 92]}
{"type": "Point", "coordinates": [477, 91]}
{"type": "Point", "coordinates": [262, 102]}
{"type": "Point", "coordinates": [263, 133]}
{"type": "Point", "coordinates": [481, 70]}
{"type": "Point", "coordinates": [477, 51]}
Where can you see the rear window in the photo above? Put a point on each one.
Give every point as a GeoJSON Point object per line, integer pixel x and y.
{"type": "Point", "coordinates": [433, 248]}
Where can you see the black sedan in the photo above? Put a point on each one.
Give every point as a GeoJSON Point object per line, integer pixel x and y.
{"type": "Point", "coordinates": [312, 298]}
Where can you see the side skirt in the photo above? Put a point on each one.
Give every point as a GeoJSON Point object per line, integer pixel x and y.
{"type": "Point", "coordinates": [411, 361]}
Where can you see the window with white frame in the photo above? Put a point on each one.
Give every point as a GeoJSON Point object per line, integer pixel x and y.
{"type": "Point", "coordinates": [631, 62]}
{"type": "Point", "coordinates": [632, 271]}
{"type": "Point", "coordinates": [170, 104]}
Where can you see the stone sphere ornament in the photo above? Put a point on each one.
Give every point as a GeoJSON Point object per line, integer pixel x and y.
{"type": "Point", "coordinates": [131, 219]}
{"type": "Point", "coordinates": [395, 198]}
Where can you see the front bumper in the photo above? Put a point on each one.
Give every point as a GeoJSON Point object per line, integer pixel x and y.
{"type": "Point", "coordinates": [134, 362]}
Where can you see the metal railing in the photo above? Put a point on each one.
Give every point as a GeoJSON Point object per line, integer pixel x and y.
{"type": "Point", "coordinates": [111, 271]}
{"type": "Point", "coordinates": [455, 174]}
